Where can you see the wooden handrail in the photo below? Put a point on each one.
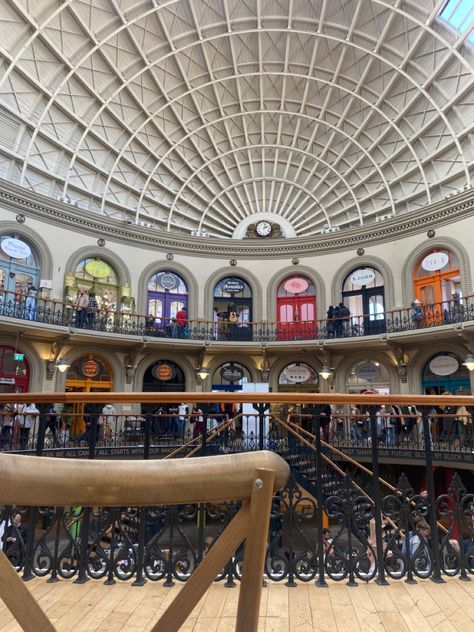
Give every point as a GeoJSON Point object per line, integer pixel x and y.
{"type": "Point", "coordinates": [253, 478]}
{"type": "Point", "coordinates": [239, 397]}
{"type": "Point", "coordinates": [33, 481]}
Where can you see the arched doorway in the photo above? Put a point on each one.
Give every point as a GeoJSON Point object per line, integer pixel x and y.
{"type": "Point", "coordinates": [163, 376]}
{"type": "Point", "coordinates": [14, 373]}
{"type": "Point", "coordinates": [363, 293]}
{"type": "Point", "coordinates": [437, 283]}
{"type": "Point", "coordinates": [297, 377]}
{"type": "Point", "coordinates": [232, 304]}
{"type": "Point", "coordinates": [445, 372]}
{"type": "Point", "coordinates": [88, 374]}
{"type": "Point", "coordinates": [296, 309]}
{"type": "Point", "coordinates": [167, 294]}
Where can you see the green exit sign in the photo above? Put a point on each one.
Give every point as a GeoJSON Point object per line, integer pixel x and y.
{"type": "Point", "coordinates": [19, 357]}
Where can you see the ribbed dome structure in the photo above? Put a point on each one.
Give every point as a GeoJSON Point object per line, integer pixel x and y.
{"type": "Point", "coordinates": [195, 115]}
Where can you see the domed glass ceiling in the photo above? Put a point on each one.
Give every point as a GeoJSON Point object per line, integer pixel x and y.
{"type": "Point", "coordinates": [204, 116]}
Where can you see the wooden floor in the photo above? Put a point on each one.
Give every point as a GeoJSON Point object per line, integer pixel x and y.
{"type": "Point", "coordinates": [421, 607]}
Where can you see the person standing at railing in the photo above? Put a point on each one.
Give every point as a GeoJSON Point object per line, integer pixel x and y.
{"type": "Point", "coordinates": [92, 309]}
{"type": "Point", "coordinates": [356, 420]}
{"type": "Point", "coordinates": [182, 322]}
{"type": "Point", "coordinates": [30, 303]}
{"type": "Point", "coordinates": [197, 419]}
{"type": "Point", "coordinates": [330, 322]}
{"type": "Point", "coordinates": [28, 420]}
{"type": "Point", "coordinates": [7, 420]}
{"type": "Point", "coordinates": [82, 302]}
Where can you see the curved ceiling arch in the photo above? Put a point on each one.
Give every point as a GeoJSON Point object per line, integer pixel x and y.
{"type": "Point", "coordinates": [301, 151]}
{"type": "Point", "coordinates": [233, 77]}
{"type": "Point", "coordinates": [131, 107]}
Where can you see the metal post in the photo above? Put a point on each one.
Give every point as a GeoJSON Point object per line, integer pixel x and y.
{"type": "Point", "coordinates": [321, 582]}
{"type": "Point", "coordinates": [436, 575]}
{"type": "Point", "coordinates": [377, 499]}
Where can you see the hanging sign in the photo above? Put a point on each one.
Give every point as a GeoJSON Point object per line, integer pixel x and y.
{"type": "Point", "coordinates": [367, 371]}
{"type": "Point", "coordinates": [435, 261]}
{"type": "Point", "coordinates": [168, 281]}
{"type": "Point", "coordinates": [295, 373]}
{"type": "Point", "coordinates": [362, 277]}
{"type": "Point", "coordinates": [163, 372]}
{"type": "Point", "coordinates": [98, 269]}
{"type": "Point", "coordinates": [233, 286]}
{"type": "Point", "coordinates": [232, 373]}
{"type": "Point", "coordinates": [18, 357]}
{"type": "Point", "coordinates": [444, 365]}
{"type": "Point", "coordinates": [15, 248]}
{"type": "Point", "coordinates": [90, 368]}
{"type": "Point", "coordinates": [296, 285]}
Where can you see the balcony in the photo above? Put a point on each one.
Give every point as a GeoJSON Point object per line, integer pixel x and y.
{"type": "Point", "coordinates": [414, 319]}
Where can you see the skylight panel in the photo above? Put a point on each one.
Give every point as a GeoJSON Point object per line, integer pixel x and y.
{"type": "Point", "coordinates": [459, 14]}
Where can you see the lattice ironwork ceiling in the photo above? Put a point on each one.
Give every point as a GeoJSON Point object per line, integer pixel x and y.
{"type": "Point", "coordinates": [203, 115]}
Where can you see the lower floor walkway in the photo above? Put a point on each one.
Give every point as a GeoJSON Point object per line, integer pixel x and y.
{"type": "Point", "coordinates": [423, 607]}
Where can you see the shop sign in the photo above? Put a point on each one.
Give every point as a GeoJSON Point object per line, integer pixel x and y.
{"type": "Point", "coordinates": [444, 365]}
{"type": "Point", "coordinates": [163, 372]}
{"type": "Point", "coordinates": [362, 277]}
{"type": "Point", "coordinates": [168, 281]}
{"type": "Point", "coordinates": [15, 248]}
{"type": "Point", "coordinates": [296, 285]}
{"type": "Point", "coordinates": [7, 380]}
{"type": "Point", "coordinates": [435, 261]}
{"type": "Point", "coordinates": [18, 357]}
{"type": "Point", "coordinates": [232, 373]}
{"type": "Point", "coordinates": [90, 368]}
{"type": "Point", "coordinates": [367, 371]}
{"type": "Point", "coordinates": [98, 269]}
{"type": "Point", "coordinates": [295, 373]}
{"type": "Point", "coordinates": [233, 286]}
{"type": "Point", "coordinates": [47, 284]}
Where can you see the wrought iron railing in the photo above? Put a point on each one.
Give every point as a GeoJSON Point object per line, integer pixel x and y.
{"type": "Point", "coordinates": [376, 529]}
{"type": "Point", "coordinates": [57, 313]}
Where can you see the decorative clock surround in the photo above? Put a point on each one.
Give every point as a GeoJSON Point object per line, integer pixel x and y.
{"type": "Point", "coordinates": [264, 229]}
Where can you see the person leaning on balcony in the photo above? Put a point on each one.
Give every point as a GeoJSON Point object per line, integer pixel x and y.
{"type": "Point", "coordinates": [82, 302]}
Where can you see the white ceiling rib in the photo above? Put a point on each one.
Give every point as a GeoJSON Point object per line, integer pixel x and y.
{"type": "Point", "coordinates": [198, 114]}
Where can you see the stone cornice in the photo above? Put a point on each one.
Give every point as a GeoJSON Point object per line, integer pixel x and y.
{"type": "Point", "coordinates": [51, 211]}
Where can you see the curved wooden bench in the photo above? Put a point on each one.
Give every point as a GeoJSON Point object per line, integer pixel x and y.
{"type": "Point", "coordinates": [253, 478]}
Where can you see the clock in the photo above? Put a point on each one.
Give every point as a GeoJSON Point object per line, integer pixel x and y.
{"type": "Point", "coordinates": [263, 228]}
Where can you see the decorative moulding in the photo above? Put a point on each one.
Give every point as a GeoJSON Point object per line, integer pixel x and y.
{"type": "Point", "coordinates": [51, 211]}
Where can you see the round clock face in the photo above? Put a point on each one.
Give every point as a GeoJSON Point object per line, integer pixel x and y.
{"type": "Point", "coordinates": [263, 228]}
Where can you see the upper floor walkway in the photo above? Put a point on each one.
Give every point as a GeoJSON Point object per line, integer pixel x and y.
{"type": "Point", "coordinates": [58, 314]}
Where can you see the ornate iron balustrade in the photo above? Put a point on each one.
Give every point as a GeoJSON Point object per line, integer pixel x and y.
{"type": "Point", "coordinates": [158, 434]}
{"type": "Point", "coordinates": [377, 530]}
{"type": "Point", "coordinates": [57, 313]}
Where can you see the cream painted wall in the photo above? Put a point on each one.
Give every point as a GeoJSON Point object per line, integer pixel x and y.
{"type": "Point", "coordinates": [63, 244]}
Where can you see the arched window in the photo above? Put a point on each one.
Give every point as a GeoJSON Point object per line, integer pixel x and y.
{"type": "Point", "coordinates": [446, 372]}
{"type": "Point", "coordinates": [233, 309]}
{"type": "Point", "coordinates": [167, 294]}
{"type": "Point", "coordinates": [369, 375]}
{"type": "Point", "coordinates": [230, 376]}
{"type": "Point", "coordinates": [437, 280]}
{"type": "Point", "coordinates": [18, 266]}
{"type": "Point", "coordinates": [98, 276]}
{"type": "Point", "coordinates": [296, 309]}
{"type": "Point", "coordinates": [297, 374]}
{"type": "Point", "coordinates": [363, 293]}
